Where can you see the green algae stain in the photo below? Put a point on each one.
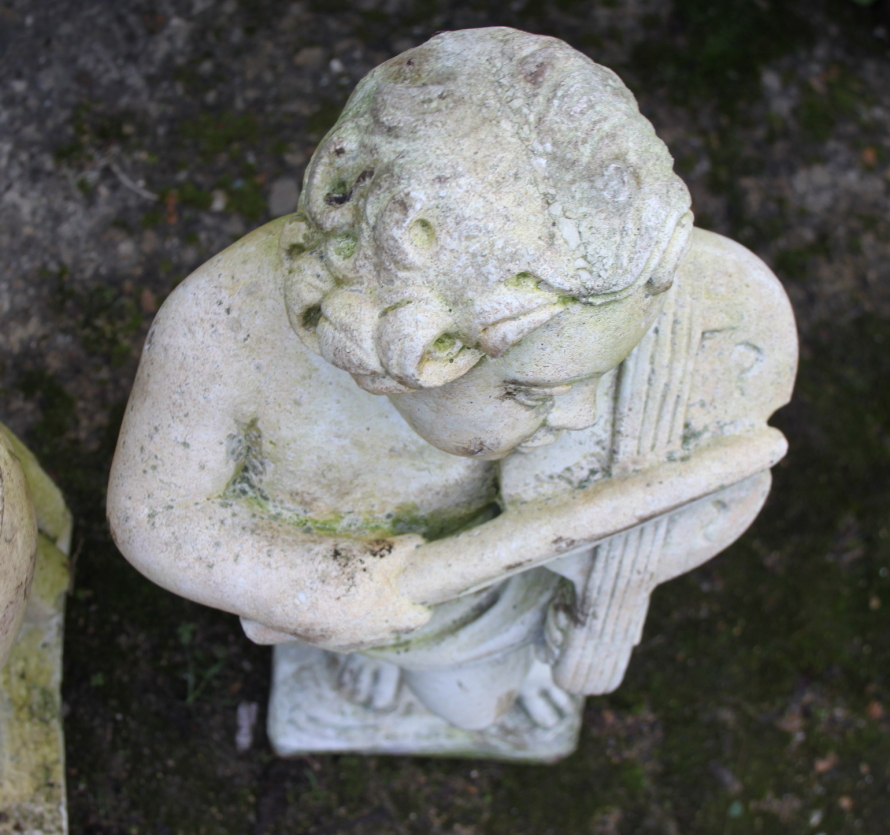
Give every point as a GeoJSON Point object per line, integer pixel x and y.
{"type": "Point", "coordinates": [52, 573]}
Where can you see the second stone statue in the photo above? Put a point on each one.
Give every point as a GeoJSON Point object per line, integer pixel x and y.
{"type": "Point", "coordinates": [440, 434]}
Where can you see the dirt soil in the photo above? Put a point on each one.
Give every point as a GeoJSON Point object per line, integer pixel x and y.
{"type": "Point", "coordinates": [137, 139]}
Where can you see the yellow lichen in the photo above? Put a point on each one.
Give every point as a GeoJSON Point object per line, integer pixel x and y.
{"type": "Point", "coordinates": [32, 775]}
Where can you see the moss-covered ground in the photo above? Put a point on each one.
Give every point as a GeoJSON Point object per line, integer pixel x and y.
{"type": "Point", "coordinates": [759, 699]}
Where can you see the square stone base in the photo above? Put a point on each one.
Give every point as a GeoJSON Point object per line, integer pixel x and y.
{"type": "Point", "coordinates": [308, 714]}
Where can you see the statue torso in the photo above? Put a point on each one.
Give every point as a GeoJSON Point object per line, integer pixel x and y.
{"type": "Point", "coordinates": [305, 442]}
{"type": "Point", "coordinates": [301, 438]}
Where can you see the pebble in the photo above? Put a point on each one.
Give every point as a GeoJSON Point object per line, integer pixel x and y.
{"type": "Point", "coordinates": [283, 196]}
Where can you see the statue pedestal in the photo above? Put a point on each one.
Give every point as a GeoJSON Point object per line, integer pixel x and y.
{"type": "Point", "coordinates": [577, 386]}
{"type": "Point", "coordinates": [309, 714]}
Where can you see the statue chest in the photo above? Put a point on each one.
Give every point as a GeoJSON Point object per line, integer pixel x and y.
{"type": "Point", "coordinates": [332, 458]}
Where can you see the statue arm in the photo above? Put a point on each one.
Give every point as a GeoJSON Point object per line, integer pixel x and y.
{"type": "Point", "coordinates": [743, 373]}
{"type": "Point", "coordinates": [174, 520]}
{"type": "Point", "coordinates": [539, 532]}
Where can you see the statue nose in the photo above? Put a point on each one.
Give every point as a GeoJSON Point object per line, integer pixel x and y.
{"type": "Point", "coordinates": [576, 409]}
{"type": "Point", "coordinates": [346, 332]}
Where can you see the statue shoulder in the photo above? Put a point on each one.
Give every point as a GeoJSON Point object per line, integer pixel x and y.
{"type": "Point", "coordinates": [241, 286]}
{"type": "Point", "coordinates": [732, 286]}
{"type": "Point", "coordinates": [746, 356]}
{"type": "Point", "coordinates": [221, 347]}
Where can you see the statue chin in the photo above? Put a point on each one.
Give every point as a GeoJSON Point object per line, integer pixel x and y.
{"type": "Point", "coordinates": [545, 436]}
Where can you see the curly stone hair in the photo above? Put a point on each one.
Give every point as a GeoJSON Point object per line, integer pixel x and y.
{"type": "Point", "coordinates": [471, 188]}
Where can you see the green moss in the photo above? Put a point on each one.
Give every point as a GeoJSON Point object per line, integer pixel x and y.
{"type": "Point", "coordinates": [103, 318]}
{"type": "Point", "coordinates": [30, 721]}
{"type": "Point", "coordinates": [345, 247]}
{"type": "Point", "coordinates": [70, 152]}
{"type": "Point", "coordinates": [190, 195]}
{"type": "Point", "coordinates": [152, 218]}
{"type": "Point", "coordinates": [95, 128]}
{"type": "Point", "coordinates": [523, 280]}
{"type": "Point", "coordinates": [324, 117]}
{"type": "Point", "coordinates": [56, 406]}
{"type": "Point", "coordinates": [223, 133]}
{"type": "Point", "coordinates": [715, 51]}
{"type": "Point", "coordinates": [447, 344]}
{"type": "Point", "coordinates": [839, 95]}
{"type": "Point", "coordinates": [245, 196]}
{"type": "Point", "coordinates": [438, 526]}
{"type": "Point", "coordinates": [795, 262]}
{"type": "Point", "coordinates": [245, 449]}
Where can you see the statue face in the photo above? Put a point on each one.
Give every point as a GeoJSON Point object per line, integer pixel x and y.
{"type": "Point", "coordinates": [483, 234]}
{"type": "Point", "coordinates": [546, 383]}
{"type": "Point", "coordinates": [454, 198]}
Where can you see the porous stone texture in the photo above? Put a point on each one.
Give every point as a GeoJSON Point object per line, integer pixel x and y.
{"type": "Point", "coordinates": [32, 751]}
{"type": "Point", "coordinates": [577, 387]}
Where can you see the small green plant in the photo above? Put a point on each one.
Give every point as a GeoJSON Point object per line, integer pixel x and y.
{"type": "Point", "coordinates": [95, 129]}
{"type": "Point", "coordinates": [152, 218]}
{"type": "Point", "coordinates": [836, 95]}
{"type": "Point", "coordinates": [200, 669]}
{"type": "Point", "coordinates": [102, 318]}
{"type": "Point", "coordinates": [245, 196]}
{"type": "Point", "coordinates": [224, 133]}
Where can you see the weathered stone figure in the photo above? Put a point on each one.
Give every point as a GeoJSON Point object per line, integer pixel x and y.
{"type": "Point", "coordinates": [35, 534]}
{"type": "Point", "coordinates": [493, 238]}
{"type": "Point", "coordinates": [18, 540]}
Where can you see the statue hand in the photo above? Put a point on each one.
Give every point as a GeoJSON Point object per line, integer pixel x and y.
{"type": "Point", "coordinates": [352, 600]}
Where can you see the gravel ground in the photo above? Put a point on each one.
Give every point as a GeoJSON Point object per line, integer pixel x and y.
{"type": "Point", "coordinates": [139, 138]}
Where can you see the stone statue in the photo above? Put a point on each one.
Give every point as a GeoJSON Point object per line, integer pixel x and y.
{"type": "Point", "coordinates": [18, 539]}
{"type": "Point", "coordinates": [35, 536]}
{"type": "Point", "coordinates": [439, 434]}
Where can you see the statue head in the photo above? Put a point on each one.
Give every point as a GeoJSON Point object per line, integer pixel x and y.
{"type": "Point", "coordinates": [485, 232]}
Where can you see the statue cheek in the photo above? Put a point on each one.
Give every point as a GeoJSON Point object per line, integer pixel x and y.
{"type": "Point", "coordinates": [306, 284]}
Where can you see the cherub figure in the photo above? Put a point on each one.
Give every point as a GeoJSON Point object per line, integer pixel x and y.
{"type": "Point", "coordinates": [440, 433]}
